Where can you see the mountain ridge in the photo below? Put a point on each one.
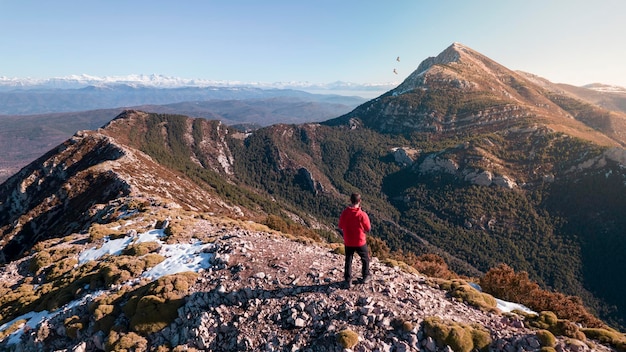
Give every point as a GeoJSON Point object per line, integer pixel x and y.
{"type": "Point", "coordinates": [496, 186]}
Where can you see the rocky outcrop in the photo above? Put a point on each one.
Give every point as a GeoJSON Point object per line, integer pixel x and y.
{"type": "Point", "coordinates": [404, 156]}
{"type": "Point", "coordinates": [310, 183]}
{"type": "Point", "coordinates": [435, 163]}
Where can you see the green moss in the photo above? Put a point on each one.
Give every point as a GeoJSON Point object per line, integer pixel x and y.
{"type": "Point", "coordinates": [142, 248]}
{"type": "Point", "coordinates": [400, 264]}
{"type": "Point", "coordinates": [462, 291]}
{"type": "Point", "coordinates": [11, 329]}
{"type": "Point", "coordinates": [546, 338]}
{"type": "Point", "coordinates": [481, 338]}
{"type": "Point", "coordinates": [130, 342]}
{"type": "Point", "coordinates": [73, 325]}
{"type": "Point", "coordinates": [99, 231]}
{"type": "Point", "coordinates": [104, 316]}
{"type": "Point", "coordinates": [460, 337]}
{"type": "Point", "coordinates": [154, 306]}
{"type": "Point", "coordinates": [347, 338]}
{"type": "Point", "coordinates": [609, 336]}
{"type": "Point", "coordinates": [559, 327]}
{"type": "Point", "coordinates": [153, 313]}
{"type": "Point", "coordinates": [46, 257]}
{"type": "Point", "coordinates": [545, 320]}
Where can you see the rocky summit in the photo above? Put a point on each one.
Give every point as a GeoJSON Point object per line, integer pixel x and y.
{"type": "Point", "coordinates": [258, 290]}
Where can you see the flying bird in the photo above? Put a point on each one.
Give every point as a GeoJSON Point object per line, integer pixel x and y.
{"type": "Point", "coordinates": [398, 59]}
{"type": "Point", "coordinates": [394, 71]}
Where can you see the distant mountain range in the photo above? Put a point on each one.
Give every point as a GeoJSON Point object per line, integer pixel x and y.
{"type": "Point", "coordinates": [23, 138]}
{"type": "Point", "coordinates": [465, 159]}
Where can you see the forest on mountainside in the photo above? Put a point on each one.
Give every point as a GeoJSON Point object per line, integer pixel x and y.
{"type": "Point", "coordinates": [565, 234]}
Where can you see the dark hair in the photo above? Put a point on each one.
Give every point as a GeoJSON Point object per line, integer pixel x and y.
{"type": "Point", "coordinates": [355, 198]}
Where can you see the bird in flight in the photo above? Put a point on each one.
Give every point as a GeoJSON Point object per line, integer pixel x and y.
{"type": "Point", "coordinates": [398, 59]}
{"type": "Point", "coordinates": [394, 71]}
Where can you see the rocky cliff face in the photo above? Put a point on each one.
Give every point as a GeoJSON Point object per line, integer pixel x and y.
{"type": "Point", "coordinates": [64, 191]}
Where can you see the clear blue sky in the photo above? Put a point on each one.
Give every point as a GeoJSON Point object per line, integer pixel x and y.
{"type": "Point", "coordinates": [319, 41]}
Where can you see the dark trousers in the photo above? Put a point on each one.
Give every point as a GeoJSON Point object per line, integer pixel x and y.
{"type": "Point", "coordinates": [364, 253]}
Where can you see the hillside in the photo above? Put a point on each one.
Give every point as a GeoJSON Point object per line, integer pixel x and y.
{"type": "Point", "coordinates": [106, 250]}
{"type": "Point", "coordinates": [23, 138]}
{"type": "Point", "coordinates": [465, 160]}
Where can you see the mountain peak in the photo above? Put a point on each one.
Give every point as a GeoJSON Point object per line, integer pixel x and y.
{"type": "Point", "coordinates": [457, 64]}
{"type": "Point", "coordinates": [452, 54]}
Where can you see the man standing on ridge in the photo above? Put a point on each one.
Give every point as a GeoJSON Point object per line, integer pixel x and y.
{"type": "Point", "coordinates": [354, 224]}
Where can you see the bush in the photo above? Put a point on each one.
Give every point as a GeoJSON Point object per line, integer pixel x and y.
{"type": "Point", "coordinates": [616, 339]}
{"type": "Point", "coordinates": [546, 338]}
{"type": "Point", "coordinates": [560, 327]}
{"type": "Point", "coordinates": [460, 337]}
{"type": "Point", "coordinates": [504, 283]}
{"type": "Point", "coordinates": [347, 338]}
{"type": "Point", "coordinates": [290, 227]}
{"type": "Point", "coordinates": [153, 313]}
{"type": "Point", "coordinates": [433, 265]}
{"type": "Point", "coordinates": [402, 265]}
{"type": "Point", "coordinates": [139, 249]}
{"type": "Point", "coordinates": [73, 325]}
{"type": "Point", "coordinates": [152, 307]}
{"type": "Point", "coordinates": [129, 342]}
{"type": "Point", "coordinates": [461, 290]}
{"type": "Point", "coordinates": [99, 231]}
{"type": "Point", "coordinates": [378, 248]}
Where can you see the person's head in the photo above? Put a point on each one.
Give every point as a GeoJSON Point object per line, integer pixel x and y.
{"type": "Point", "coordinates": [355, 198]}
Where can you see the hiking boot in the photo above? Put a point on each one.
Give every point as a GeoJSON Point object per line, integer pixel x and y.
{"type": "Point", "coordinates": [347, 284]}
{"type": "Point", "coordinates": [365, 280]}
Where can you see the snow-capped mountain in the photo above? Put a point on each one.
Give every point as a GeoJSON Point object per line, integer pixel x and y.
{"type": "Point", "coordinates": [162, 81]}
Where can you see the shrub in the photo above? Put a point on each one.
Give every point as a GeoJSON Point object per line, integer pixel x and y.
{"type": "Point", "coordinates": [433, 265]}
{"type": "Point", "coordinates": [99, 231]}
{"type": "Point", "coordinates": [546, 338]}
{"type": "Point", "coordinates": [347, 338]}
{"type": "Point", "coordinates": [130, 342]}
{"type": "Point", "coordinates": [13, 328]}
{"type": "Point", "coordinates": [609, 336]}
{"type": "Point", "coordinates": [402, 323]}
{"type": "Point", "coordinates": [290, 227]}
{"type": "Point", "coordinates": [139, 249]}
{"type": "Point", "coordinates": [73, 325]}
{"type": "Point", "coordinates": [60, 267]}
{"type": "Point", "coordinates": [560, 327]}
{"type": "Point", "coordinates": [152, 307]}
{"type": "Point", "coordinates": [45, 257]}
{"type": "Point", "coordinates": [504, 283]}
{"type": "Point", "coordinates": [153, 313]}
{"type": "Point", "coordinates": [460, 337]}
{"type": "Point", "coordinates": [104, 317]}
{"type": "Point", "coordinates": [378, 248]}
{"type": "Point", "coordinates": [402, 265]}
{"type": "Point", "coordinates": [461, 290]}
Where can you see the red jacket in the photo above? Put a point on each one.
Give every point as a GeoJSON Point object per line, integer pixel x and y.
{"type": "Point", "coordinates": [354, 223]}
